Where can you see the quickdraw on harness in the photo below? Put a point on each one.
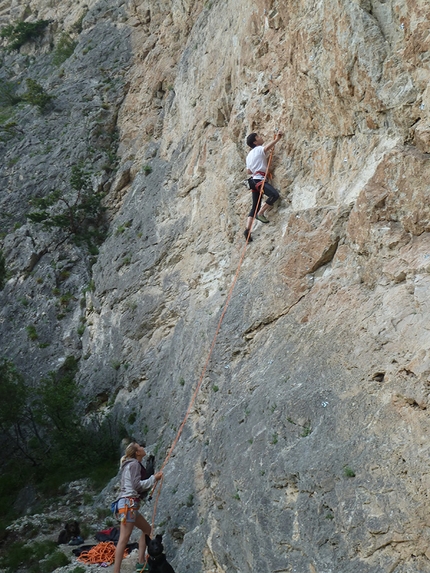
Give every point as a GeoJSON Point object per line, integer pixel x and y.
{"type": "Point", "coordinates": [131, 505]}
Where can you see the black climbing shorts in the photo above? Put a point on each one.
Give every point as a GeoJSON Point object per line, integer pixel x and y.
{"type": "Point", "coordinates": [272, 196]}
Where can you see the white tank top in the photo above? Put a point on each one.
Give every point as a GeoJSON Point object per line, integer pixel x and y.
{"type": "Point", "coordinates": [256, 160]}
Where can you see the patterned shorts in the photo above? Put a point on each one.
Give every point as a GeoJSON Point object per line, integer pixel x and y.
{"type": "Point", "coordinates": [127, 509]}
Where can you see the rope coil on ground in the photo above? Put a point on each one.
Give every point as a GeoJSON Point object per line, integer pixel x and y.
{"type": "Point", "coordinates": [103, 552]}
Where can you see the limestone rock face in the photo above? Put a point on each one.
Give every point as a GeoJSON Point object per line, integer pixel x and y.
{"type": "Point", "coordinates": [306, 449]}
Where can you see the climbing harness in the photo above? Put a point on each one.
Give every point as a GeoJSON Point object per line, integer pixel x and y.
{"type": "Point", "coordinates": [125, 508]}
{"type": "Point", "coordinates": [196, 391]}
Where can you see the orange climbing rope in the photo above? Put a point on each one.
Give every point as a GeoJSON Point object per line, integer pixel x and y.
{"type": "Point", "coordinates": [196, 391]}
{"type": "Point", "coordinates": [103, 552]}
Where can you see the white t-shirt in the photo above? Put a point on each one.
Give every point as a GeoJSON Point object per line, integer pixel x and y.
{"type": "Point", "coordinates": [256, 160]}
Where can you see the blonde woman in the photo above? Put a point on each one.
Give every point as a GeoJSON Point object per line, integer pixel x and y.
{"type": "Point", "coordinates": [132, 488]}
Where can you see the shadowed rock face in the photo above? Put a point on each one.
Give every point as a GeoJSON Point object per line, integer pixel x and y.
{"type": "Point", "coordinates": [307, 447]}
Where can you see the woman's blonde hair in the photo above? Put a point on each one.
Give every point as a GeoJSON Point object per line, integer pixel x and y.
{"type": "Point", "coordinates": [130, 452]}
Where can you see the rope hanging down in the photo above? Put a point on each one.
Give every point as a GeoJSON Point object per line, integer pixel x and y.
{"type": "Point", "coordinates": [196, 391]}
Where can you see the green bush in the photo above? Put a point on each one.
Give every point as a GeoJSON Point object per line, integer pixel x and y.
{"type": "Point", "coordinates": [80, 214]}
{"type": "Point", "coordinates": [38, 557]}
{"type": "Point", "coordinates": [57, 559]}
{"type": "Point", "coordinates": [8, 95]}
{"type": "Point", "coordinates": [41, 549]}
{"type": "Point", "coordinates": [64, 49]}
{"type": "Point", "coordinates": [42, 431]}
{"type": "Point", "coordinates": [16, 555]}
{"type": "Point", "coordinates": [348, 472]}
{"type": "Point", "coordinates": [22, 32]}
{"type": "Point", "coordinates": [36, 95]}
{"type": "Point", "coordinates": [307, 430]}
{"type": "Point", "coordinates": [44, 441]}
{"type": "Point", "coordinates": [8, 130]}
{"type": "Point", "coordinates": [31, 331]}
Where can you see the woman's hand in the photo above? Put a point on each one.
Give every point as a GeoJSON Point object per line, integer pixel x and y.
{"type": "Point", "coordinates": [158, 476]}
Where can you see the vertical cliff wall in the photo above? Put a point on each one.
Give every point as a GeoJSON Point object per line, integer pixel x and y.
{"type": "Point", "coordinates": [307, 449]}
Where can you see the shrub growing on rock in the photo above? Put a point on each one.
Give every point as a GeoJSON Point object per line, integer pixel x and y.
{"type": "Point", "coordinates": [8, 95]}
{"type": "Point", "coordinates": [64, 49]}
{"type": "Point", "coordinates": [38, 557]}
{"type": "Point", "coordinates": [79, 213]}
{"type": "Point", "coordinates": [36, 95]}
{"type": "Point", "coordinates": [19, 34]}
{"type": "Point", "coordinates": [45, 434]}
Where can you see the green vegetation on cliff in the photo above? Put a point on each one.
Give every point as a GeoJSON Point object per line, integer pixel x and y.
{"type": "Point", "coordinates": [39, 557]}
{"type": "Point", "coordinates": [45, 436]}
{"type": "Point", "coordinates": [79, 214]}
{"type": "Point", "coordinates": [19, 34]}
{"type": "Point", "coordinates": [63, 49]}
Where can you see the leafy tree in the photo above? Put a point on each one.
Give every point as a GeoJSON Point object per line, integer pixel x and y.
{"type": "Point", "coordinates": [13, 394]}
{"type": "Point", "coordinates": [42, 429]}
{"type": "Point", "coordinates": [22, 32]}
{"type": "Point", "coordinates": [36, 95]}
{"type": "Point", "coordinates": [56, 412]}
{"type": "Point", "coordinates": [79, 214]}
{"type": "Point", "coordinates": [17, 422]}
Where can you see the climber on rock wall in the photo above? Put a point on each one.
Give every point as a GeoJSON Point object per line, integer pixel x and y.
{"type": "Point", "coordinates": [256, 164]}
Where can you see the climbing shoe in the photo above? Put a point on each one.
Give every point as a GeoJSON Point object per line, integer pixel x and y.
{"type": "Point", "coordinates": [262, 218]}
{"type": "Point", "coordinates": [247, 235]}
